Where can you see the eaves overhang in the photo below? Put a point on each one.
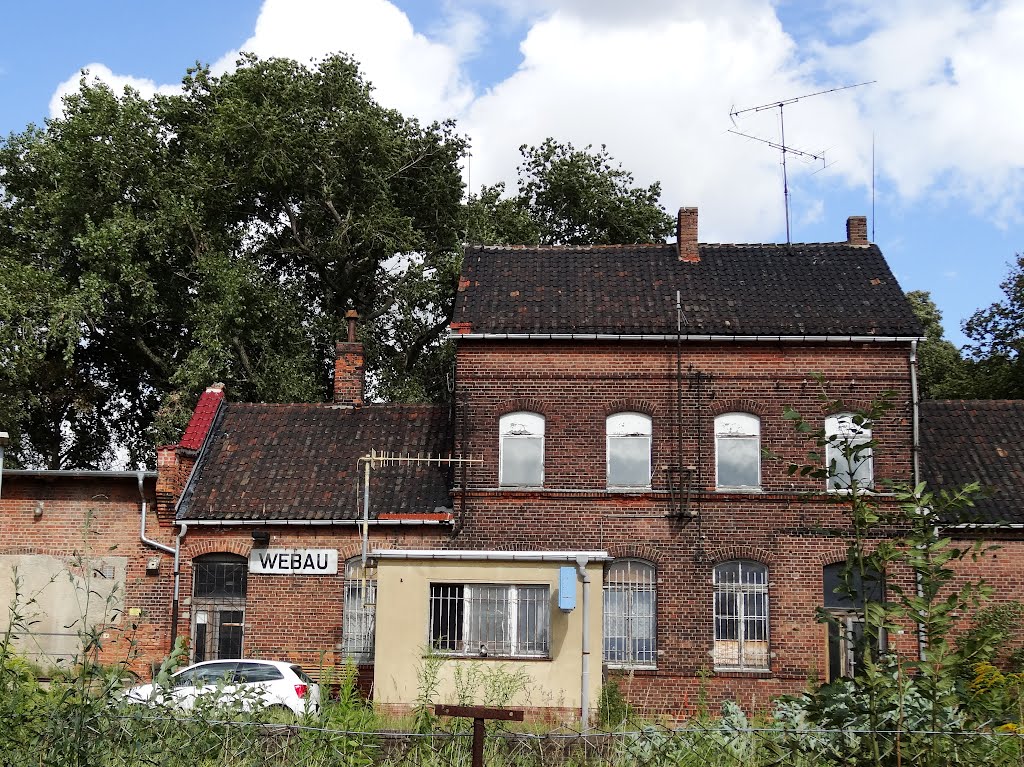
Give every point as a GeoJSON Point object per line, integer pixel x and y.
{"type": "Point", "coordinates": [701, 337]}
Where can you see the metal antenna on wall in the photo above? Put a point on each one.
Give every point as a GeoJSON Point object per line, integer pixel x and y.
{"type": "Point", "coordinates": [781, 146]}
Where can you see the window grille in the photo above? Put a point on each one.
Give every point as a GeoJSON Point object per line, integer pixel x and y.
{"type": "Point", "coordinates": [497, 620]}
{"type": "Point", "coordinates": [628, 450]}
{"type": "Point", "coordinates": [359, 613]}
{"type": "Point", "coordinates": [741, 616]}
{"type": "Point", "coordinates": [848, 454]}
{"type": "Point", "coordinates": [218, 606]}
{"type": "Point", "coordinates": [738, 451]}
{"type": "Point", "coordinates": [521, 462]}
{"type": "Point", "coordinates": [630, 607]}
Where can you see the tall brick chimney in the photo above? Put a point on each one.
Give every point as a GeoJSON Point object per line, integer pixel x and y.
{"type": "Point", "coordinates": [686, 235]}
{"type": "Point", "coordinates": [349, 377]}
{"type": "Point", "coordinates": [857, 230]}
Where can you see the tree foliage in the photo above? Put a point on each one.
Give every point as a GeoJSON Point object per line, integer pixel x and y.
{"type": "Point", "coordinates": [996, 348]}
{"type": "Point", "coordinates": [941, 370]}
{"type": "Point", "coordinates": [569, 196]}
{"type": "Point", "coordinates": [149, 247]}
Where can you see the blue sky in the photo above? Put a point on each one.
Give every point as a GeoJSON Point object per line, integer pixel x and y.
{"type": "Point", "coordinates": [655, 80]}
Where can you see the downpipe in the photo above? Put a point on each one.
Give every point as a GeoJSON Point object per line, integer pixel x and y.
{"type": "Point", "coordinates": [581, 567]}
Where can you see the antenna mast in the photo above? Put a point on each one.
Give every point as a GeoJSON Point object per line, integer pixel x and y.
{"type": "Point", "coordinates": [782, 130]}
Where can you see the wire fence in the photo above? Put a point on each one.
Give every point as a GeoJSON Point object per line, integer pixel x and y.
{"type": "Point", "coordinates": [143, 736]}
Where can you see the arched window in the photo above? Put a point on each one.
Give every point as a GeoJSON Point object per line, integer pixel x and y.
{"type": "Point", "coordinates": [741, 616]}
{"type": "Point", "coordinates": [630, 607]}
{"type": "Point", "coordinates": [848, 452]}
{"type": "Point", "coordinates": [521, 461]}
{"type": "Point", "coordinates": [738, 451]}
{"type": "Point", "coordinates": [845, 592]}
{"type": "Point", "coordinates": [218, 606]}
{"type": "Point", "coordinates": [359, 612]}
{"type": "Point", "coordinates": [629, 450]}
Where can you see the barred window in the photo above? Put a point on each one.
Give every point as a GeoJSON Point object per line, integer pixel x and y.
{"type": "Point", "coordinates": [495, 620]}
{"type": "Point", "coordinates": [741, 616]}
{"type": "Point", "coordinates": [738, 451]}
{"type": "Point", "coordinates": [521, 461]}
{"type": "Point", "coordinates": [630, 606]}
{"type": "Point", "coordinates": [629, 450]}
{"type": "Point", "coordinates": [218, 608]}
{"type": "Point", "coordinates": [848, 452]}
{"type": "Point", "coordinates": [359, 612]}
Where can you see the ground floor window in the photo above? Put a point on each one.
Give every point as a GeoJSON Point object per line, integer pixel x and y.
{"type": "Point", "coordinates": [359, 616]}
{"type": "Point", "coordinates": [846, 592]}
{"type": "Point", "coordinates": [218, 606]}
{"type": "Point", "coordinates": [490, 620]}
{"type": "Point", "coordinates": [630, 603]}
{"type": "Point", "coordinates": [741, 616]}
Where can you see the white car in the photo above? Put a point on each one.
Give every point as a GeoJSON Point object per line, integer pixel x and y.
{"type": "Point", "coordinates": [247, 684]}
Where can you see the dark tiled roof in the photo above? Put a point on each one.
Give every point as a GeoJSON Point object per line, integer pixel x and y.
{"type": "Point", "coordinates": [792, 290]}
{"type": "Point", "coordinates": [299, 462]}
{"type": "Point", "coordinates": [977, 440]}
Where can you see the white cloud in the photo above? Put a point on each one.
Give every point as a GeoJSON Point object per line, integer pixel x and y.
{"type": "Point", "coordinates": [117, 84]}
{"type": "Point", "coordinates": [655, 80]}
{"type": "Point", "coordinates": [409, 71]}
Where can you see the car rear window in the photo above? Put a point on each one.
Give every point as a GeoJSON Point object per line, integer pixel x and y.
{"type": "Point", "coordinates": [302, 675]}
{"type": "Point", "coordinates": [257, 672]}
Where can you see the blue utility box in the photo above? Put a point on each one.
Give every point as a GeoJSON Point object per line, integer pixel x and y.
{"type": "Point", "coordinates": [567, 588]}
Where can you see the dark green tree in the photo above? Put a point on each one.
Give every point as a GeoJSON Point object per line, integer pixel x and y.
{"type": "Point", "coordinates": [996, 348]}
{"type": "Point", "coordinates": [149, 247]}
{"type": "Point", "coordinates": [941, 369]}
{"type": "Point", "coordinates": [569, 196]}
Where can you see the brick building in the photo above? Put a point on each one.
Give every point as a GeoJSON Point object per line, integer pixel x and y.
{"type": "Point", "coordinates": [609, 417]}
{"type": "Point", "coordinates": [613, 501]}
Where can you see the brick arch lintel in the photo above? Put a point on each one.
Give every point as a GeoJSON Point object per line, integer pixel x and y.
{"type": "Point", "coordinates": [740, 551]}
{"type": "Point", "coordinates": [216, 547]}
{"type": "Point", "coordinates": [521, 404]}
{"type": "Point", "coordinates": [632, 405]}
{"type": "Point", "coordinates": [642, 551]}
{"type": "Point", "coordinates": [751, 406]}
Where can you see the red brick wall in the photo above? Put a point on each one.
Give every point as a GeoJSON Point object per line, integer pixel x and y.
{"type": "Point", "coordinates": [99, 517]}
{"type": "Point", "coordinates": [575, 386]}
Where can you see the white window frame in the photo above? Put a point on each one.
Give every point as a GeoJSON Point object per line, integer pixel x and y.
{"type": "Point", "coordinates": [521, 425]}
{"type": "Point", "coordinates": [443, 595]}
{"type": "Point", "coordinates": [630, 613]}
{"type": "Point", "coordinates": [359, 612]}
{"type": "Point", "coordinates": [744, 660]}
{"type": "Point", "coordinates": [738, 426]}
{"type": "Point", "coordinates": [618, 428]}
{"type": "Point", "coordinates": [840, 431]}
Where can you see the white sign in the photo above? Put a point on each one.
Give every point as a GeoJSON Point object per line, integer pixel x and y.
{"type": "Point", "coordinates": [294, 561]}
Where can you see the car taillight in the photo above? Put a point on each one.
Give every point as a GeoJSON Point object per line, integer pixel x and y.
{"type": "Point", "coordinates": [301, 690]}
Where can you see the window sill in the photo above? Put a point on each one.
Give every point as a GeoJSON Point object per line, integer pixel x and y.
{"type": "Point", "coordinates": [740, 490]}
{"type": "Point", "coordinates": [626, 669]}
{"type": "Point", "coordinates": [477, 656]}
{"type": "Point", "coordinates": [637, 490]}
{"type": "Point", "coordinates": [744, 673]}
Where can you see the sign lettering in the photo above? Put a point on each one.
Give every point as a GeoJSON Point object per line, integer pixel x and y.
{"type": "Point", "coordinates": [293, 562]}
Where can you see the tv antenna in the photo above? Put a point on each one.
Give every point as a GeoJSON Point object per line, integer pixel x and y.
{"type": "Point", "coordinates": [781, 145]}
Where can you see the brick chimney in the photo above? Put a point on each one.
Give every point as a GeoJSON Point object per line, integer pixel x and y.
{"type": "Point", "coordinates": [349, 379]}
{"type": "Point", "coordinates": [686, 235]}
{"type": "Point", "coordinates": [857, 230]}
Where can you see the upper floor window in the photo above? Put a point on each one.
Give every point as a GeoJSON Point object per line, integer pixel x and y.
{"type": "Point", "coordinates": [848, 452]}
{"type": "Point", "coordinates": [630, 606]}
{"type": "Point", "coordinates": [629, 450]}
{"type": "Point", "coordinates": [741, 616]}
{"type": "Point", "coordinates": [521, 461]}
{"type": "Point", "coordinates": [738, 451]}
